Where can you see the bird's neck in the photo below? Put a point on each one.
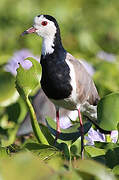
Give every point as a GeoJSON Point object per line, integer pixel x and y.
{"type": "Point", "coordinates": [47, 45]}
{"type": "Point", "coordinates": [52, 44]}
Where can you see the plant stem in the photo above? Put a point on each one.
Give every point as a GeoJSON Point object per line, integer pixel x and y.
{"type": "Point", "coordinates": [36, 129]}
{"type": "Point", "coordinates": [70, 163]}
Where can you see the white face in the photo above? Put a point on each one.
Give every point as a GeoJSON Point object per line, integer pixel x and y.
{"type": "Point", "coordinates": [44, 27]}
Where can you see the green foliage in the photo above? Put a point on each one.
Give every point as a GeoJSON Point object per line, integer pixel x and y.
{"type": "Point", "coordinates": [22, 166]}
{"type": "Point", "coordinates": [106, 77]}
{"type": "Point", "coordinates": [10, 120]}
{"type": "Point", "coordinates": [26, 82]}
{"type": "Point", "coordinates": [94, 151]}
{"type": "Point", "coordinates": [108, 112]}
{"type": "Point", "coordinates": [45, 152]}
{"type": "Point", "coordinates": [112, 154]}
{"type": "Point", "coordinates": [8, 92]}
{"type": "Point", "coordinates": [116, 170]}
{"type": "Point", "coordinates": [3, 152]}
{"type": "Point", "coordinates": [27, 166]}
{"type": "Point", "coordinates": [94, 170]}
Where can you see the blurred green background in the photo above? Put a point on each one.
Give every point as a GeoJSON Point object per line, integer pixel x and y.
{"type": "Point", "coordinates": [86, 26]}
{"type": "Point", "coordinates": [81, 23]}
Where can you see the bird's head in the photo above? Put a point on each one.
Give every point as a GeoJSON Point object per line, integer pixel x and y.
{"type": "Point", "coordinates": [44, 25]}
{"type": "Point", "coordinates": [47, 27]}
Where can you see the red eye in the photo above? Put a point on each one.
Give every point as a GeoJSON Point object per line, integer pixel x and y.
{"type": "Point", "coordinates": [44, 23]}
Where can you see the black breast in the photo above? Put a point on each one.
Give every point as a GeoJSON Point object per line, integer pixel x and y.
{"type": "Point", "coordinates": [55, 80]}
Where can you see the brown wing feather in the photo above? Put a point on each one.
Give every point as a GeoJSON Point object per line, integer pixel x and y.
{"type": "Point", "coordinates": [85, 86]}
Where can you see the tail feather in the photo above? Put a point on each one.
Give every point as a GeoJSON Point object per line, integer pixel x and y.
{"type": "Point", "coordinates": [90, 112]}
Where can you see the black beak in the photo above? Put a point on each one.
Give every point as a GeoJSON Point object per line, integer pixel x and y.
{"type": "Point", "coordinates": [25, 32]}
{"type": "Point", "coordinates": [29, 31]}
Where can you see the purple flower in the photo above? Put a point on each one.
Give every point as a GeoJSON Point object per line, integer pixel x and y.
{"type": "Point", "coordinates": [94, 136]}
{"type": "Point", "coordinates": [114, 136]}
{"type": "Point", "coordinates": [97, 136]}
{"type": "Point", "coordinates": [106, 56]}
{"type": "Point", "coordinates": [19, 57]}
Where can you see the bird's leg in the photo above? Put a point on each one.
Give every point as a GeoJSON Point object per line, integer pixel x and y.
{"type": "Point", "coordinates": [58, 121]}
{"type": "Point", "coordinates": [82, 133]}
{"type": "Point", "coordinates": [57, 124]}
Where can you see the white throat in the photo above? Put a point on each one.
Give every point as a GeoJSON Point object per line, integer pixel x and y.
{"type": "Point", "coordinates": [47, 45]}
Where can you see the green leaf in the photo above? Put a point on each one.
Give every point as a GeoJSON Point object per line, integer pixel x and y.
{"type": "Point", "coordinates": [108, 112]}
{"type": "Point", "coordinates": [3, 152]}
{"type": "Point", "coordinates": [16, 112]}
{"type": "Point", "coordinates": [8, 93]}
{"type": "Point", "coordinates": [71, 133]}
{"type": "Point", "coordinates": [26, 82]}
{"type": "Point", "coordinates": [105, 145]}
{"type": "Point", "coordinates": [45, 152]}
{"type": "Point", "coordinates": [32, 146]}
{"type": "Point", "coordinates": [112, 157]}
{"type": "Point", "coordinates": [111, 153]}
{"type": "Point", "coordinates": [76, 148]}
{"type": "Point", "coordinates": [92, 169]}
{"type": "Point", "coordinates": [116, 170]}
{"type": "Point", "coordinates": [24, 166]}
{"type": "Point", "coordinates": [47, 134]}
{"type": "Point", "coordinates": [68, 175]}
{"type": "Point", "coordinates": [93, 151]}
{"type": "Point", "coordinates": [64, 147]}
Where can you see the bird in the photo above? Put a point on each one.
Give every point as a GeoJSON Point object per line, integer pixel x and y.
{"type": "Point", "coordinates": [45, 108]}
{"type": "Point", "coordinates": [64, 79]}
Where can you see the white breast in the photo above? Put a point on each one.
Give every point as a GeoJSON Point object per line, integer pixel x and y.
{"type": "Point", "coordinates": [74, 96]}
{"type": "Point", "coordinates": [71, 102]}
{"type": "Point", "coordinates": [47, 45]}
